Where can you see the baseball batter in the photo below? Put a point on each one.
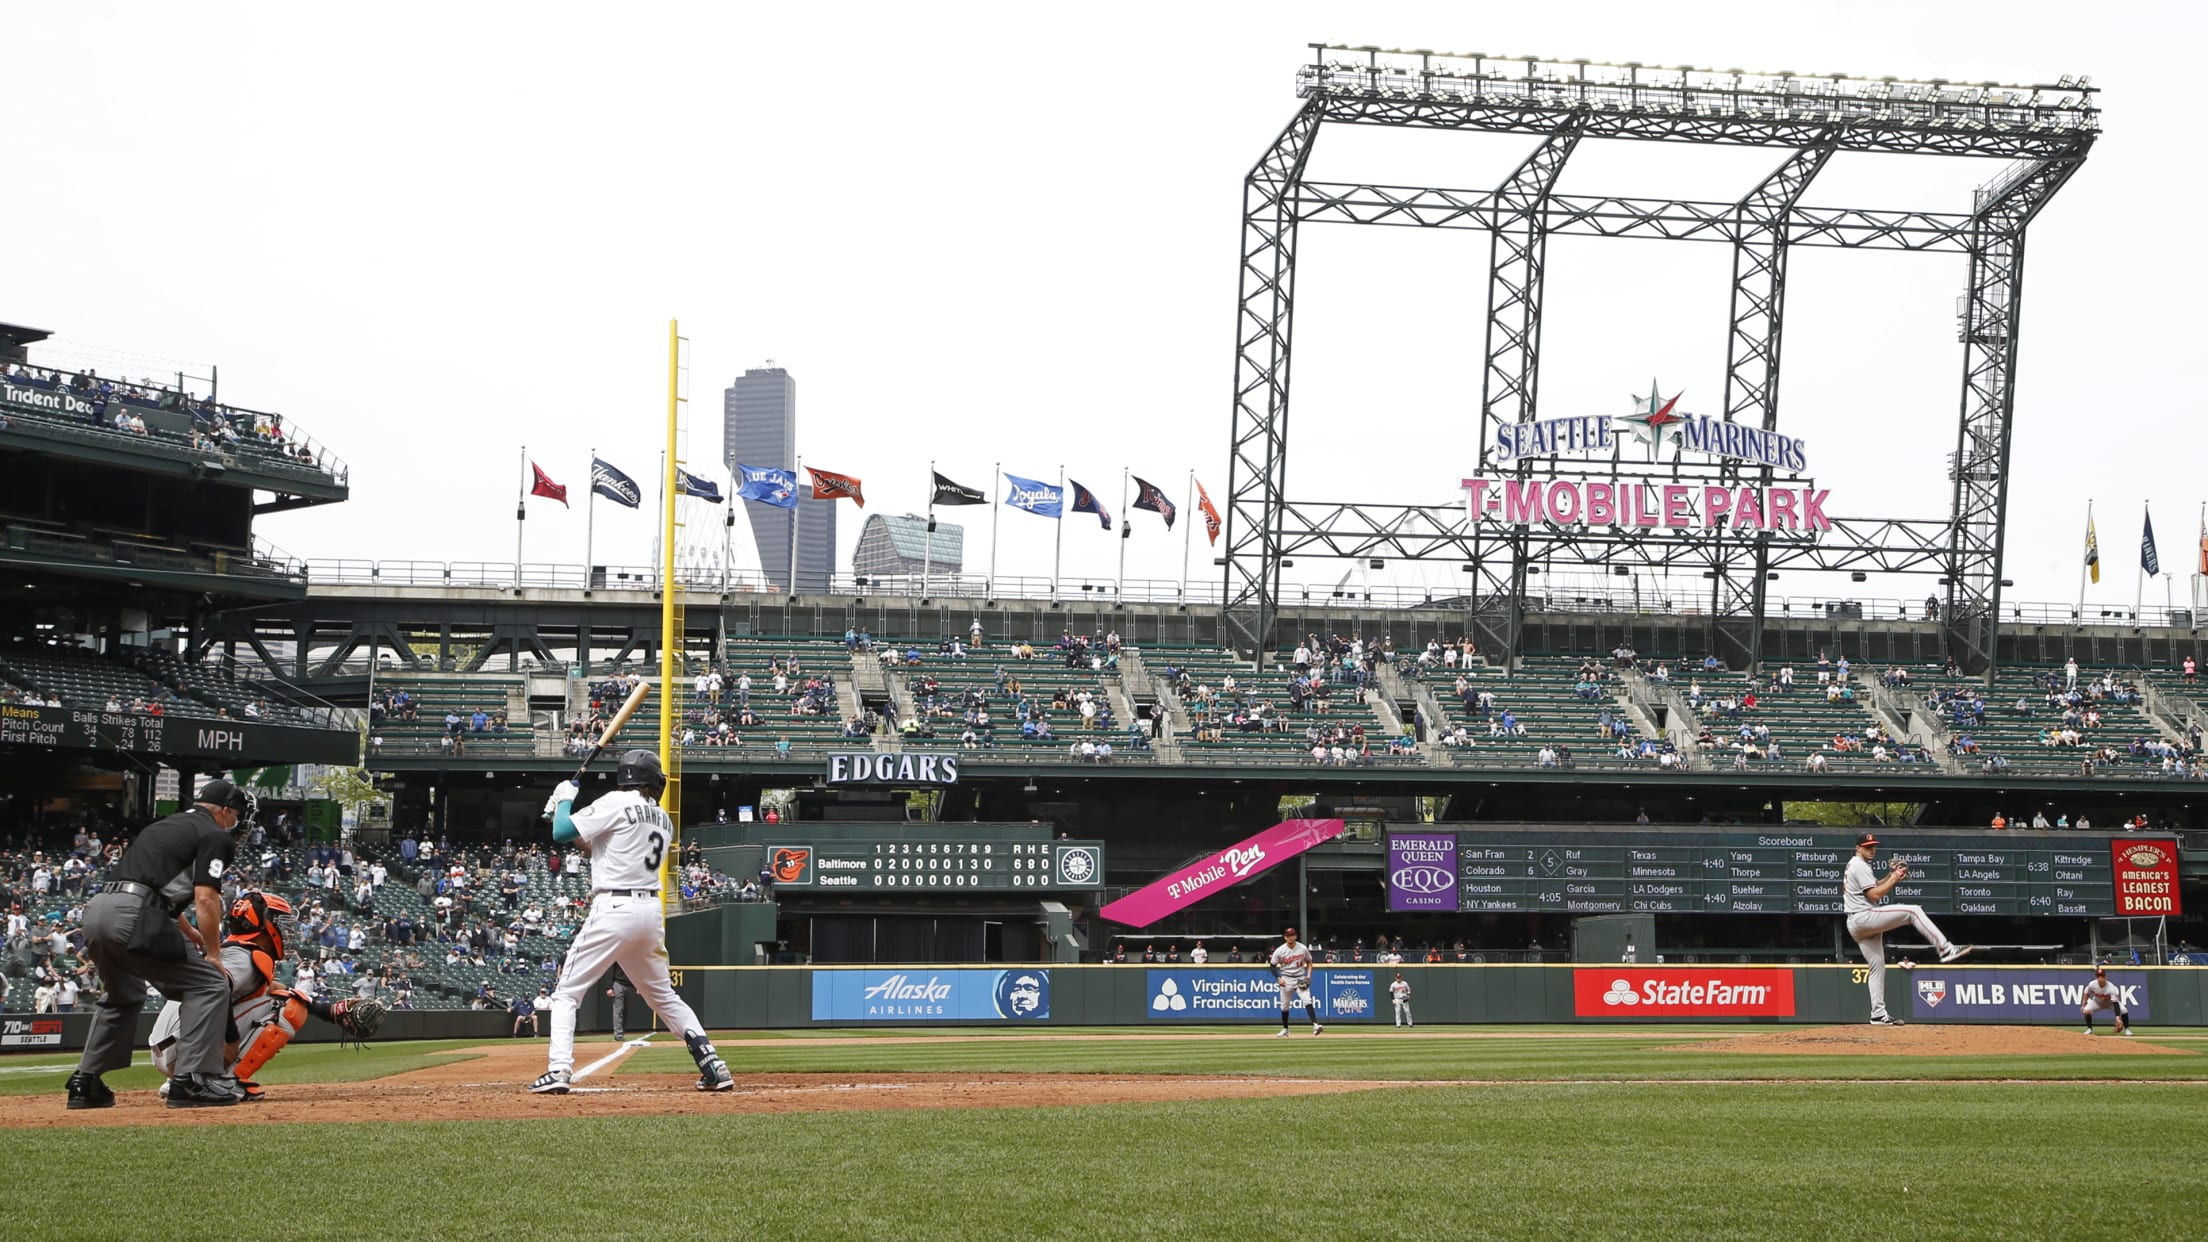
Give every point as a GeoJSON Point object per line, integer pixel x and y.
{"type": "Point", "coordinates": [1863, 902]}
{"type": "Point", "coordinates": [628, 836]}
{"type": "Point", "coordinates": [1291, 965]}
{"type": "Point", "coordinates": [2103, 995]}
{"type": "Point", "coordinates": [1400, 992]}
{"type": "Point", "coordinates": [264, 1013]}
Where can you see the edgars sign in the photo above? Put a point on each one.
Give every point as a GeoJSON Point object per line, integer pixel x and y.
{"type": "Point", "coordinates": [868, 768]}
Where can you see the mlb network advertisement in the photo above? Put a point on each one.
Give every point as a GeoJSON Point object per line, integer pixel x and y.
{"type": "Point", "coordinates": [1253, 995]}
{"type": "Point", "coordinates": [1950, 994]}
{"type": "Point", "coordinates": [931, 995]}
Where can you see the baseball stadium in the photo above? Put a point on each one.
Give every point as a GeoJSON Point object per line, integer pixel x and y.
{"type": "Point", "coordinates": [1611, 826]}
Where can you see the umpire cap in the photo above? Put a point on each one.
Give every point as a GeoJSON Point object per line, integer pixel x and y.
{"type": "Point", "coordinates": [640, 770]}
{"type": "Point", "coordinates": [219, 792]}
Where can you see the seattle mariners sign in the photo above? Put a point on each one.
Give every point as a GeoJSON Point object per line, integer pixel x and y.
{"type": "Point", "coordinates": [1653, 421]}
{"type": "Point", "coordinates": [868, 768]}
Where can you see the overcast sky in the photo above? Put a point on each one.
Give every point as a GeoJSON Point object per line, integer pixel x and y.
{"type": "Point", "coordinates": [431, 234]}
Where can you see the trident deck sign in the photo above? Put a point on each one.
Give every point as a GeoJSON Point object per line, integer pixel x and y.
{"type": "Point", "coordinates": [1185, 886]}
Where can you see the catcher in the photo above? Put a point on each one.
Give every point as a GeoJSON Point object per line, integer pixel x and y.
{"type": "Point", "coordinates": [264, 1014]}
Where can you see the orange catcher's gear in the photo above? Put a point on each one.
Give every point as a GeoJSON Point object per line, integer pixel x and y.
{"type": "Point", "coordinates": [256, 914]}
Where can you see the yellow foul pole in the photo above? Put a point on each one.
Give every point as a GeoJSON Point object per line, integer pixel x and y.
{"type": "Point", "coordinates": [671, 697]}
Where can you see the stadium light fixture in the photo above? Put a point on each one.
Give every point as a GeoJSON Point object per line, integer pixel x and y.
{"type": "Point", "coordinates": [1860, 576]}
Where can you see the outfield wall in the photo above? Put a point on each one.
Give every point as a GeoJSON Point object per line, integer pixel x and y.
{"type": "Point", "coordinates": [1141, 995]}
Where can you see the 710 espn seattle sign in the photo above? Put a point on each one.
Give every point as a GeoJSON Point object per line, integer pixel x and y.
{"type": "Point", "coordinates": [1639, 503]}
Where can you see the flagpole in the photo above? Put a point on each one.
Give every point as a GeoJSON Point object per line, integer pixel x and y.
{"type": "Point", "coordinates": [2139, 595]}
{"type": "Point", "coordinates": [927, 559]}
{"type": "Point", "coordinates": [1126, 528]}
{"type": "Point", "coordinates": [2085, 564]}
{"type": "Point", "coordinates": [521, 513]}
{"type": "Point", "coordinates": [590, 518]}
{"type": "Point", "coordinates": [1058, 556]}
{"type": "Point", "coordinates": [996, 507]}
{"type": "Point", "coordinates": [797, 511]}
{"type": "Point", "coordinates": [1188, 533]}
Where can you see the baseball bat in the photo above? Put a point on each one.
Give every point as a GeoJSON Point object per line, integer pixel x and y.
{"type": "Point", "coordinates": [613, 728]}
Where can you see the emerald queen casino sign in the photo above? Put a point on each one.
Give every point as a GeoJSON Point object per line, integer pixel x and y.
{"type": "Point", "coordinates": [1637, 503]}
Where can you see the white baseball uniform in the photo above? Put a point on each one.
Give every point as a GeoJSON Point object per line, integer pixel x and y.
{"type": "Point", "coordinates": [2102, 996]}
{"type": "Point", "coordinates": [1869, 923]}
{"type": "Point", "coordinates": [628, 835]}
{"type": "Point", "coordinates": [1292, 965]}
{"type": "Point", "coordinates": [1400, 992]}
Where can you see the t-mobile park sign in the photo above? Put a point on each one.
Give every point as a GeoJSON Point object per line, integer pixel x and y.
{"type": "Point", "coordinates": [1631, 503]}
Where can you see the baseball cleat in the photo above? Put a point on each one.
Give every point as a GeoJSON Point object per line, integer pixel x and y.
{"type": "Point", "coordinates": [2089, 1030]}
{"type": "Point", "coordinates": [1956, 953]}
{"type": "Point", "coordinates": [2126, 1032]}
{"type": "Point", "coordinates": [1887, 1020]}
{"type": "Point", "coordinates": [714, 1076]}
{"type": "Point", "coordinates": [553, 1082]}
{"type": "Point", "coordinates": [1282, 1033]}
{"type": "Point", "coordinates": [201, 1091]}
{"type": "Point", "coordinates": [253, 1092]}
{"type": "Point", "coordinates": [1316, 1029]}
{"type": "Point", "coordinates": [87, 1091]}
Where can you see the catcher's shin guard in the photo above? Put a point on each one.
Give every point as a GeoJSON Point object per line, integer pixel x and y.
{"type": "Point", "coordinates": [263, 1042]}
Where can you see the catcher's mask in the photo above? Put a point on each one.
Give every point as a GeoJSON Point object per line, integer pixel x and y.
{"type": "Point", "coordinates": [254, 913]}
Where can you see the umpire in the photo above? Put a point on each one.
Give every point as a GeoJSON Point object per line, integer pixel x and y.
{"type": "Point", "coordinates": [135, 934]}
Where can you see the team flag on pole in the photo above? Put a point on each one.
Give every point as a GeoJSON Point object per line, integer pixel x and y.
{"type": "Point", "coordinates": [769, 485]}
{"type": "Point", "coordinates": [2147, 559]}
{"type": "Point", "coordinates": [2204, 543]}
{"type": "Point", "coordinates": [688, 484]}
{"type": "Point", "coordinates": [1085, 501]}
{"type": "Point", "coordinates": [1154, 500]}
{"type": "Point", "coordinates": [1211, 513]}
{"type": "Point", "coordinates": [1041, 499]}
{"type": "Point", "coordinates": [949, 493]}
{"type": "Point", "coordinates": [544, 486]}
{"type": "Point", "coordinates": [2092, 549]}
{"type": "Point", "coordinates": [614, 485]}
{"type": "Point", "coordinates": [828, 485]}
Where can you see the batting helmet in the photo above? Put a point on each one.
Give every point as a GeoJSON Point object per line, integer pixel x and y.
{"type": "Point", "coordinates": [640, 770]}
{"type": "Point", "coordinates": [254, 913]}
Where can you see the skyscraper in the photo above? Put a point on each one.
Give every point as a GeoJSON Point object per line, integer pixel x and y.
{"type": "Point", "coordinates": [759, 428]}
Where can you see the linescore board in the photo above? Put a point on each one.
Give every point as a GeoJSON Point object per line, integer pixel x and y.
{"type": "Point", "coordinates": [938, 864]}
{"type": "Point", "coordinates": [1775, 872]}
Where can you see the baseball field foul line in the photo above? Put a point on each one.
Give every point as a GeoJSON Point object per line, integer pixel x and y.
{"type": "Point", "coordinates": [611, 1057]}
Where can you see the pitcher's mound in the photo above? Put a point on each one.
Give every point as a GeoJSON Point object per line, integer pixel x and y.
{"type": "Point", "coordinates": [1946, 1040]}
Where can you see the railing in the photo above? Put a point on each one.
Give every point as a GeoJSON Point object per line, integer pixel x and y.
{"type": "Point", "coordinates": [264, 561]}
{"type": "Point", "coordinates": [66, 401]}
{"type": "Point", "coordinates": [500, 575]}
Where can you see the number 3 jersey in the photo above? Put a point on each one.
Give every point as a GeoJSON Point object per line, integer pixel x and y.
{"type": "Point", "coordinates": [628, 835]}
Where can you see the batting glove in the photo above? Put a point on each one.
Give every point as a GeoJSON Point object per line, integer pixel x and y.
{"type": "Point", "coordinates": [565, 791]}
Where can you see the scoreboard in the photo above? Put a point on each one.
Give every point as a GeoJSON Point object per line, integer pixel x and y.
{"type": "Point", "coordinates": [1652, 871]}
{"type": "Point", "coordinates": [937, 863]}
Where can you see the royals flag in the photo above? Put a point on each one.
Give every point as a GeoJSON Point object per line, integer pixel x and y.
{"type": "Point", "coordinates": [688, 484]}
{"type": "Point", "coordinates": [1085, 501]}
{"type": "Point", "coordinates": [949, 493]}
{"type": "Point", "coordinates": [1154, 500]}
{"type": "Point", "coordinates": [1211, 514]}
{"type": "Point", "coordinates": [614, 485]}
{"type": "Point", "coordinates": [828, 485]}
{"type": "Point", "coordinates": [1040, 499]}
{"type": "Point", "coordinates": [2092, 547]}
{"type": "Point", "coordinates": [769, 485]}
{"type": "Point", "coordinates": [544, 485]}
{"type": "Point", "coordinates": [2147, 559]}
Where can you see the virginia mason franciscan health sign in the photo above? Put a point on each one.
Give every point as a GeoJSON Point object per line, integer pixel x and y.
{"type": "Point", "coordinates": [1647, 503]}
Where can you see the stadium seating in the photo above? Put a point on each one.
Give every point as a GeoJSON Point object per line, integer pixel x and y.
{"type": "Point", "coordinates": [211, 684]}
{"type": "Point", "coordinates": [175, 419]}
{"type": "Point", "coordinates": [1802, 721]}
{"type": "Point", "coordinates": [87, 681]}
{"type": "Point", "coordinates": [2121, 745]}
{"type": "Point", "coordinates": [938, 691]}
{"type": "Point", "coordinates": [434, 698]}
{"type": "Point", "coordinates": [1254, 719]}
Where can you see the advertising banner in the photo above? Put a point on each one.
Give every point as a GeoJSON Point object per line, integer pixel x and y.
{"type": "Point", "coordinates": [1682, 992]}
{"type": "Point", "coordinates": [43, 1032]}
{"type": "Point", "coordinates": [920, 995]}
{"type": "Point", "coordinates": [1992, 994]}
{"type": "Point", "coordinates": [908, 768]}
{"type": "Point", "coordinates": [1253, 995]}
{"type": "Point", "coordinates": [1422, 872]}
{"type": "Point", "coordinates": [1184, 887]}
{"type": "Point", "coordinates": [2146, 876]}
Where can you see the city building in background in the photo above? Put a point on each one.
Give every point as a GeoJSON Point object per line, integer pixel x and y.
{"type": "Point", "coordinates": [899, 547]}
{"type": "Point", "coordinates": [759, 428]}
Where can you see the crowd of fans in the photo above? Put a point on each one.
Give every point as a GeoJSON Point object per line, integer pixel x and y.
{"type": "Point", "coordinates": [213, 424]}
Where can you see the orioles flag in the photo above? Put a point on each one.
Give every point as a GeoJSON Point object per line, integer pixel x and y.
{"type": "Point", "coordinates": [828, 485]}
{"type": "Point", "coordinates": [1154, 500]}
{"type": "Point", "coordinates": [544, 486]}
{"type": "Point", "coordinates": [2092, 549]}
{"type": "Point", "coordinates": [1211, 514]}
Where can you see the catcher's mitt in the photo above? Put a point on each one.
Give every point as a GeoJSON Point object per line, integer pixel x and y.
{"type": "Point", "coordinates": [360, 1019]}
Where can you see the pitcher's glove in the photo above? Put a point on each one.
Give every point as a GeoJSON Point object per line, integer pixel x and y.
{"type": "Point", "coordinates": [359, 1019]}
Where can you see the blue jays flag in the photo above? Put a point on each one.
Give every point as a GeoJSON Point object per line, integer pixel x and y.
{"type": "Point", "coordinates": [1085, 501]}
{"type": "Point", "coordinates": [689, 484]}
{"type": "Point", "coordinates": [614, 485]}
{"type": "Point", "coordinates": [767, 485]}
{"type": "Point", "coordinates": [1040, 499]}
{"type": "Point", "coordinates": [2147, 559]}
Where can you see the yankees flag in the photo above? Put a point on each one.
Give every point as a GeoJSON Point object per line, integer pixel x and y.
{"type": "Point", "coordinates": [689, 484]}
{"type": "Point", "coordinates": [1085, 501]}
{"type": "Point", "coordinates": [949, 493]}
{"type": "Point", "coordinates": [615, 486]}
{"type": "Point", "coordinates": [828, 485]}
{"type": "Point", "coordinates": [769, 485]}
{"type": "Point", "coordinates": [1041, 499]}
{"type": "Point", "coordinates": [544, 486]}
{"type": "Point", "coordinates": [1211, 515]}
{"type": "Point", "coordinates": [1154, 500]}
{"type": "Point", "coordinates": [2147, 559]}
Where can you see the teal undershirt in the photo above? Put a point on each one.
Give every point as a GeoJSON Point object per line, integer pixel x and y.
{"type": "Point", "coordinates": [563, 828]}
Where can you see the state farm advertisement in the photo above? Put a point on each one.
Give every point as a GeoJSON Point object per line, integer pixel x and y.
{"type": "Point", "coordinates": [1682, 992]}
{"type": "Point", "coordinates": [2146, 876]}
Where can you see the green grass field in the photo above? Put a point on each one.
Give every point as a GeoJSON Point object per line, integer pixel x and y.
{"type": "Point", "coordinates": [2032, 1156]}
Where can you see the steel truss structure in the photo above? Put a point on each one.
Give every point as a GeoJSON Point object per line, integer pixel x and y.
{"type": "Point", "coordinates": [2045, 131]}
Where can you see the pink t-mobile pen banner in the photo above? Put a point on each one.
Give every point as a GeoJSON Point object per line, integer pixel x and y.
{"type": "Point", "coordinates": [1200, 879]}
